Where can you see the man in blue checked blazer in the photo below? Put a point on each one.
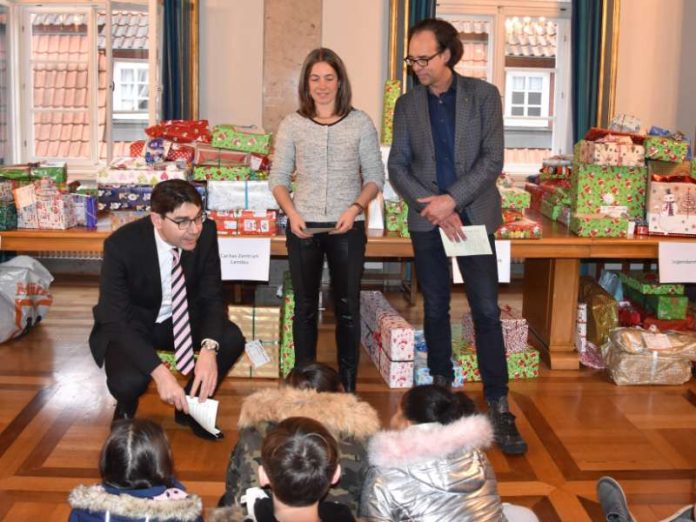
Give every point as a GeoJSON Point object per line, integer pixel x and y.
{"type": "Point", "coordinates": [157, 271]}
{"type": "Point", "coordinates": [446, 155]}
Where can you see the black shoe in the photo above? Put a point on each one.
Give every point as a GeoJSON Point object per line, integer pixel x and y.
{"type": "Point", "coordinates": [124, 410]}
{"type": "Point", "coordinates": [348, 378]}
{"type": "Point", "coordinates": [199, 431]}
{"type": "Point", "coordinates": [442, 381]}
{"type": "Point", "coordinates": [505, 432]}
{"type": "Point", "coordinates": [613, 500]}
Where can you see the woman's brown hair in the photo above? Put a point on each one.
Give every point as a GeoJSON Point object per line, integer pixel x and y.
{"type": "Point", "coordinates": [344, 94]}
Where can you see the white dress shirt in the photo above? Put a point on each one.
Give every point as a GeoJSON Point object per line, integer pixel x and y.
{"type": "Point", "coordinates": [166, 262]}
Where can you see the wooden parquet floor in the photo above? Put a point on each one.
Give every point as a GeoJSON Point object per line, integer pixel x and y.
{"type": "Point", "coordinates": [55, 413]}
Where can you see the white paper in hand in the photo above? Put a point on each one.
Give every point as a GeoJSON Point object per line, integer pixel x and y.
{"type": "Point", "coordinates": [257, 354]}
{"type": "Point", "coordinates": [475, 244]}
{"type": "Point", "coordinates": [204, 413]}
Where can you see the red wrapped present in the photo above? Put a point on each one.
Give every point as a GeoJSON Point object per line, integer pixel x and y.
{"type": "Point", "coordinates": [258, 161]}
{"type": "Point", "coordinates": [245, 222]}
{"type": "Point", "coordinates": [511, 215]}
{"type": "Point", "coordinates": [675, 324]}
{"type": "Point", "coordinates": [137, 148]}
{"type": "Point", "coordinates": [179, 151]}
{"type": "Point", "coordinates": [181, 131]}
{"type": "Point", "coordinates": [630, 316]}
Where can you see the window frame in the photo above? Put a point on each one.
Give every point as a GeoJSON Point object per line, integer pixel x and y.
{"type": "Point", "coordinates": [526, 120]}
{"type": "Point", "coordinates": [136, 65]}
{"type": "Point", "coordinates": [13, 139]}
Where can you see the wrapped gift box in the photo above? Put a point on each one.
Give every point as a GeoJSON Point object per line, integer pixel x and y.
{"type": "Point", "coordinates": [207, 154]}
{"type": "Point", "coordinates": [536, 194]}
{"type": "Point", "coordinates": [246, 139]}
{"type": "Point", "coordinates": [8, 215]}
{"type": "Point", "coordinates": [598, 225]}
{"type": "Point", "coordinates": [510, 215]}
{"type": "Point", "coordinates": [261, 323]}
{"type": "Point", "coordinates": [136, 148]}
{"type": "Point", "coordinates": [287, 316]}
{"type": "Point", "coordinates": [85, 208]}
{"type": "Point", "coordinates": [394, 333]}
{"type": "Point", "coordinates": [625, 123]}
{"type": "Point", "coordinates": [602, 310]}
{"type": "Point", "coordinates": [397, 374]}
{"type": "Point", "coordinates": [156, 150]}
{"type": "Point", "coordinates": [521, 365]}
{"type": "Point", "coordinates": [421, 372]}
{"type": "Point", "coordinates": [665, 149]}
{"type": "Point", "coordinates": [671, 208]}
{"type": "Point", "coordinates": [648, 283]}
{"type": "Point", "coordinates": [55, 210]}
{"type": "Point", "coordinates": [230, 195]}
{"type": "Point", "coordinates": [664, 325]}
{"type": "Point", "coordinates": [396, 217]}
{"type": "Point", "coordinates": [245, 222]}
{"type": "Point", "coordinates": [515, 330]}
{"type": "Point", "coordinates": [610, 150]}
{"type": "Point", "coordinates": [550, 207]}
{"type": "Point", "coordinates": [392, 91]}
{"type": "Point", "coordinates": [604, 189]}
{"type": "Point", "coordinates": [181, 131]}
{"type": "Point", "coordinates": [556, 167]}
{"type": "Point", "coordinates": [123, 217]}
{"type": "Point", "coordinates": [180, 151]}
{"type": "Point", "coordinates": [124, 197]}
{"type": "Point", "coordinates": [140, 175]}
{"type": "Point", "coordinates": [666, 168]}
{"type": "Point", "coordinates": [523, 229]}
{"type": "Point", "coordinates": [55, 170]}
{"type": "Point", "coordinates": [228, 172]}
{"type": "Point", "coordinates": [667, 306]}
{"type": "Point", "coordinates": [514, 198]}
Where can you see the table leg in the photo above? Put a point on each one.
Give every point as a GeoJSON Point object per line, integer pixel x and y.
{"type": "Point", "coordinates": [549, 303]}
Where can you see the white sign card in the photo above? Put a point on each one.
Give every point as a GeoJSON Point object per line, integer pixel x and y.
{"type": "Point", "coordinates": [502, 249]}
{"type": "Point", "coordinates": [245, 258]}
{"type": "Point", "coordinates": [677, 262]}
{"type": "Point", "coordinates": [475, 244]}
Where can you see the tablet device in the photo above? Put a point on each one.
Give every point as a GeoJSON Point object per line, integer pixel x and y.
{"type": "Point", "coordinates": [313, 227]}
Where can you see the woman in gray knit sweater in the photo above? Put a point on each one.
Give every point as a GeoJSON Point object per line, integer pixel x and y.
{"type": "Point", "coordinates": [333, 151]}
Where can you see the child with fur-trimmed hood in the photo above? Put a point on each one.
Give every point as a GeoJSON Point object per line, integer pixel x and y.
{"type": "Point", "coordinates": [313, 391]}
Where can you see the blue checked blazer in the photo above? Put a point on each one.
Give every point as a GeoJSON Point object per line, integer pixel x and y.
{"type": "Point", "coordinates": [478, 153]}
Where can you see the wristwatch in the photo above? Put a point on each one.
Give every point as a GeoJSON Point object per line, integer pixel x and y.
{"type": "Point", "coordinates": [210, 345]}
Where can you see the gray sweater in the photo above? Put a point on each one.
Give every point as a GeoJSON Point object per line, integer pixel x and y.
{"type": "Point", "coordinates": [331, 162]}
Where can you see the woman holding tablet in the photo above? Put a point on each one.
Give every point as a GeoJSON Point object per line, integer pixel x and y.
{"type": "Point", "coordinates": [333, 150]}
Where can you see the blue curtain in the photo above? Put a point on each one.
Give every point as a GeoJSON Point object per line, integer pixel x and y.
{"type": "Point", "coordinates": [586, 49]}
{"type": "Point", "coordinates": [176, 60]}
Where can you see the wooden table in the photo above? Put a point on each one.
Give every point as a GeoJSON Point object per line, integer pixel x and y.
{"type": "Point", "coordinates": [551, 269]}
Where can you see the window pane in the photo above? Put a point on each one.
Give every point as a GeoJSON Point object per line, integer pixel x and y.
{"type": "Point", "coordinates": [4, 101]}
{"type": "Point", "coordinates": [142, 91]}
{"type": "Point", "coordinates": [127, 76]}
{"type": "Point", "coordinates": [517, 111]}
{"type": "Point", "coordinates": [518, 83]}
{"type": "Point", "coordinates": [534, 111]}
{"type": "Point", "coordinates": [534, 98]}
{"type": "Point", "coordinates": [60, 85]}
{"type": "Point", "coordinates": [517, 98]}
{"type": "Point", "coordinates": [142, 105]}
{"type": "Point", "coordinates": [142, 75]}
{"type": "Point", "coordinates": [535, 83]}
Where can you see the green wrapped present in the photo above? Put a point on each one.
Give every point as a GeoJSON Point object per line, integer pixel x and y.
{"type": "Point", "coordinates": [19, 174]}
{"type": "Point", "coordinates": [287, 316]}
{"type": "Point", "coordinates": [665, 149]}
{"type": "Point", "coordinates": [648, 283]}
{"type": "Point", "coordinates": [551, 209]}
{"type": "Point", "coordinates": [392, 91]}
{"type": "Point", "coordinates": [667, 306]}
{"type": "Point", "coordinates": [244, 139]}
{"type": "Point", "coordinates": [693, 168]}
{"type": "Point", "coordinates": [57, 171]}
{"type": "Point", "coordinates": [521, 365]}
{"type": "Point", "coordinates": [514, 198]}
{"type": "Point", "coordinates": [396, 217]}
{"type": "Point", "coordinates": [598, 225]}
{"type": "Point", "coordinates": [604, 189]}
{"type": "Point", "coordinates": [227, 173]}
{"type": "Point", "coordinates": [8, 215]}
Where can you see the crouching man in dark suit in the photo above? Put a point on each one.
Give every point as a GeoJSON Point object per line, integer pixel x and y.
{"type": "Point", "coordinates": [160, 288]}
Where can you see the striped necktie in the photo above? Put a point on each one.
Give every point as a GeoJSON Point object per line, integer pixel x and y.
{"type": "Point", "coordinates": [183, 344]}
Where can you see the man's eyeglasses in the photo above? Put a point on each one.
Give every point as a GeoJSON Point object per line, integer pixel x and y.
{"type": "Point", "coordinates": [421, 61]}
{"type": "Point", "coordinates": [185, 224]}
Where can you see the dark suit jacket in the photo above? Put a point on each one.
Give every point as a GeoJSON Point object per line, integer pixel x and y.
{"type": "Point", "coordinates": [130, 292]}
{"type": "Point", "coordinates": [478, 153]}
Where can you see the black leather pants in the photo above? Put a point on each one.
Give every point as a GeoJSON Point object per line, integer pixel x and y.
{"type": "Point", "coordinates": [345, 254]}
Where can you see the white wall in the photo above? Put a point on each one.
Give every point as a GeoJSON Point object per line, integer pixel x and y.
{"type": "Point", "coordinates": [656, 76]}
{"type": "Point", "coordinates": [358, 30]}
{"type": "Point", "coordinates": [231, 61]}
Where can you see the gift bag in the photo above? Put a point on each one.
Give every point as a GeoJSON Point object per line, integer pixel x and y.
{"type": "Point", "coordinates": [24, 295]}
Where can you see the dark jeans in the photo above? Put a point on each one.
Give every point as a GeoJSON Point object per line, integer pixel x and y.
{"type": "Point", "coordinates": [345, 254]}
{"type": "Point", "coordinates": [480, 275]}
{"type": "Point", "coordinates": [127, 383]}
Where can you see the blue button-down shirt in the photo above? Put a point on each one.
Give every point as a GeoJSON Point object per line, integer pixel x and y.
{"type": "Point", "coordinates": [442, 110]}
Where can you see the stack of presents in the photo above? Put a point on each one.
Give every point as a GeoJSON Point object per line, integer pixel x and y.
{"type": "Point", "coordinates": [514, 202]}
{"type": "Point", "coordinates": [640, 330]}
{"type": "Point", "coordinates": [400, 353]}
{"type": "Point", "coordinates": [228, 165]}
{"type": "Point", "coordinates": [37, 195]}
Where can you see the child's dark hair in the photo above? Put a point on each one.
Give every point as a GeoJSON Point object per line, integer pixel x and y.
{"type": "Point", "coordinates": [430, 403]}
{"type": "Point", "coordinates": [314, 376]}
{"type": "Point", "coordinates": [136, 455]}
{"type": "Point", "coordinates": [300, 458]}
